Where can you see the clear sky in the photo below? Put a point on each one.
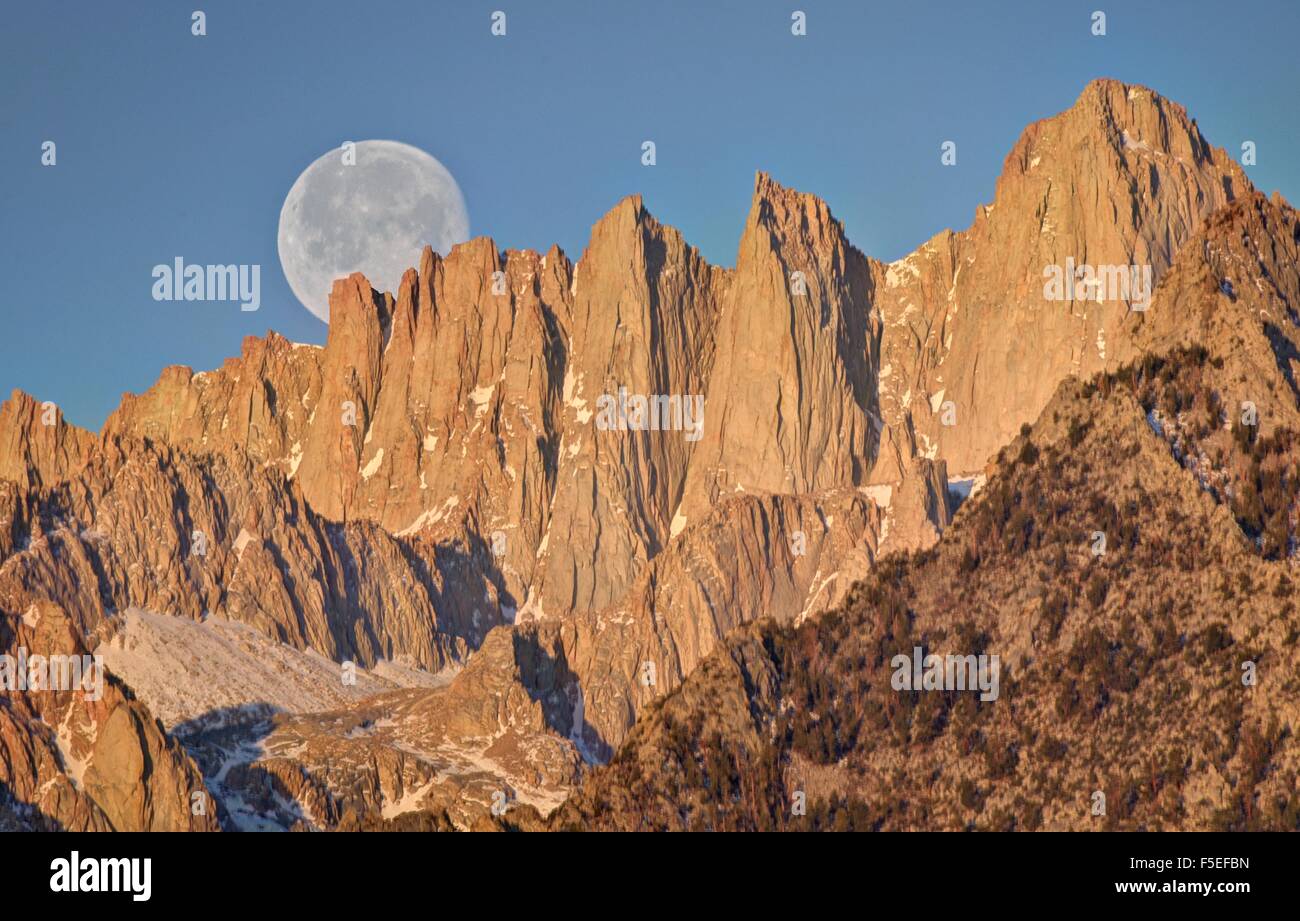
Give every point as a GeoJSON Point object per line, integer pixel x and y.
{"type": "Point", "coordinates": [174, 145]}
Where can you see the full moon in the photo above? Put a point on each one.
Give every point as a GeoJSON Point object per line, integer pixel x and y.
{"type": "Point", "coordinates": [368, 209]}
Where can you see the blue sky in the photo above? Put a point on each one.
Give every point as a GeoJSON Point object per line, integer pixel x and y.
{"type": "Point", "coordinates": [174, 145]}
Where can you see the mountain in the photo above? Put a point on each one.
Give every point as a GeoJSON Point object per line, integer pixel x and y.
{"type": "Point", "coordinates": [1123, 178]}
{"type": "Point", "coordinates": [530, 511]}
{"type": "Point", "coordinates": [1122, 674]}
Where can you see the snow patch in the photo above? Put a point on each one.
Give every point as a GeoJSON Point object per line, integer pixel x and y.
{"type": "Point", "coordinates": [678, 525]}
{"type": "Point", "coordinates": [479, 396]}
{"type": "Point", "coordinates": [373, 467]}
{"type": "Point", "coordinates": [1132, 143]}
{"type": "Point", "coordinates": [242, 541]}
{"type": "Point", "coordinates": [430, 516]}
{"type": "Point", "coordinates": [900, 272]}
{"type": "Point", "coordinates": [410, 802]}
{"type": "Point", "coordinates": [295, 458]}
{"type": "Point", "coordinates": [881, 494]}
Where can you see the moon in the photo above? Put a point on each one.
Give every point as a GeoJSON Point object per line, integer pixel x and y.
{"type": "Point", "coordinates": [373, 216]}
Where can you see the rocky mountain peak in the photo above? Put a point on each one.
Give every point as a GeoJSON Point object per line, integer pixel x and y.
{"type": "Point", "coordinates": [793, 218]}
{"type": "Point", "coordinates": [1107, 191]}
{"type": "Point", "coordinates": [36, 444]}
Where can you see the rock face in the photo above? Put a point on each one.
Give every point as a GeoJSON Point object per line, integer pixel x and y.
{"type": "Point", "coordinates": [149, 527]}
{"type": "Point", "coordinates": [787, 556]}
{"type": "Point", "coordinates": [792, 396]}
{"type": "Point", "coordinates": [552, 489]}
{"type": "Point", "coordinates": [1121, 179]}
{"type": "Point", "coordinates": [36, 445]}
{"type": "Point", "coordinates": [77, 761]}
{"type": "Point", "coordinates": [644, 309]}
